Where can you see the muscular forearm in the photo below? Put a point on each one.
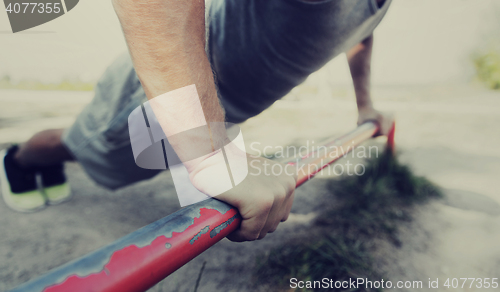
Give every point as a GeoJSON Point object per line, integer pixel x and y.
{"type": "Point", "coordinates": [359, 58]}
{"type": "Point", "coordinates": [166, 39]}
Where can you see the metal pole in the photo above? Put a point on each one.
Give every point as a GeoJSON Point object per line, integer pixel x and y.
{"type": "Point", "coordinates": [143, 258]}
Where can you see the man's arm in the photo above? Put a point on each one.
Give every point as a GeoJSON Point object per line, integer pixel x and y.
{"type": "Point", "coordinates": [359, 58]}
{"type": "Point", "coordinates": [166, 39]}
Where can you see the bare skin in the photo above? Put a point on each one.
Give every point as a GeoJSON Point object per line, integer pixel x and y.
{"type": "Point", "coordinates": [168, 59]}
{"type": "Point", "coordinates": [359, 59]}
{"type": "Point", "coordinates": [43, 149]}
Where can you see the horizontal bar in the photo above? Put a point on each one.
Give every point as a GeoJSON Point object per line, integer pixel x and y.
{"type": "Point", "coordinates": [143, 258]}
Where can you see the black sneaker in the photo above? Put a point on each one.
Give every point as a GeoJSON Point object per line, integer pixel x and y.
{"type": "Point", "coordinates": [55, 186]}
{"type": "Point", "coordinates": [20, 190]}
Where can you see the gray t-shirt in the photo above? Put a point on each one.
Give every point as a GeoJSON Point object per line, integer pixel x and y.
{"type": "Point", "coordinates": [262, 49]}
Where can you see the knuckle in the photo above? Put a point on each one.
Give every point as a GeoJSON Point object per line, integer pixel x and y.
{"type": "Point", "coordinates": [290, 184]}
{"type": "Point", "coordinates": [249, 235]}
{"type": "Point", "coordinates": [265, 205]}
{"type": "Point", "coordinates": [280, 195]}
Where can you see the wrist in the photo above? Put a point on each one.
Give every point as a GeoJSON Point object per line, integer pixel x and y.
{"type": "Point", "coordinates": [181, 118]}
{"type": "Point", "coordinates": [220, 170]}
{"type": "Point", "coordinates": [363, 99]}
{"type": "Point", "coordinates": [365, 108]}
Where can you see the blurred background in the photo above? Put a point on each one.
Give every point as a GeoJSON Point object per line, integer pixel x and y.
{"type": "Point", "coordinates": [436, 65]}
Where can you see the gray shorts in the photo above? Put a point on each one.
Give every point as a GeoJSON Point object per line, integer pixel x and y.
{"type": "Point", "coordinates": [259, 51]}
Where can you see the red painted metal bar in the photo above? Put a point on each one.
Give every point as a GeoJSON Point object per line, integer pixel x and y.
{"type": "Point", "coordinates": [390, 138]}
{"type": "Point", "coordinates": [314, 162]}
{"type": "Point", "coordinates": [141, 259]}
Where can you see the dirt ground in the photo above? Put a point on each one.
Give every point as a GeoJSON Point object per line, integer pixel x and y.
{"type": "Point", "coordinates": [447, 133]}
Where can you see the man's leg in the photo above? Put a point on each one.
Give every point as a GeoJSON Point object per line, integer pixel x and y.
{"type": "Point", "coordinates": [43, 149]}
{"type": "Point", "coordinates": [32, 174]}
{"type": "Point", "coordinates": [24, 167]}
{"type": "Point", "coordinates": [99, 139]}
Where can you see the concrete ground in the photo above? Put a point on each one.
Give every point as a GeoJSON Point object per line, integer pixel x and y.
{"type": "Point", "coordinates": [447, 133]}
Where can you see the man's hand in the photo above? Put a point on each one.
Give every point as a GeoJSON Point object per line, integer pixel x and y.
{"type": "Point", "coordinates": [384, 120]}
{"type": "Point", "coordinates": [264, 198]}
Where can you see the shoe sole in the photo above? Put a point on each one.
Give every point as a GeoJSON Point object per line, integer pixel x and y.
{"type": "Point", "coordinates": [7, 194]}
{"type": "Point", "coordinates": [62, 190]}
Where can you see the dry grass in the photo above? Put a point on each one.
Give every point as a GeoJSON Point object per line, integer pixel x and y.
{"type": "Point", "coordinates": [371, 207]}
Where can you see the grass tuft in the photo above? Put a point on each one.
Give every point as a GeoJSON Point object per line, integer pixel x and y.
{"type": "Point", "coordinates": [374, 203]}
{"type": "Point", "coordinates": [368, 207]}
{"type": "Point", "coordinates": [329, 256]}
{"type": "Point", "coordinates": [487, 65]}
